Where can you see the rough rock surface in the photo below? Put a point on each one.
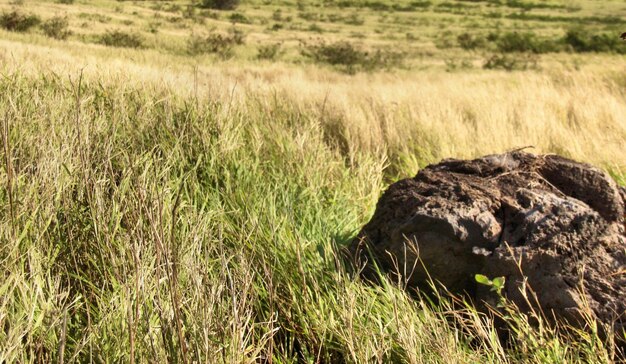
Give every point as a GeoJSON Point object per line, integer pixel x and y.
{"type": "Point", "coordinates": [560, 221]}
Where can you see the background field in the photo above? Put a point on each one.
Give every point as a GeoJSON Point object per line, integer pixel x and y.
{"type": "Point", "coordinates": [177, 180]}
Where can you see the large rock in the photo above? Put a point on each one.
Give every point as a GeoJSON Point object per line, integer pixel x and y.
{"type": "Point", "coordinates": [556, 222]}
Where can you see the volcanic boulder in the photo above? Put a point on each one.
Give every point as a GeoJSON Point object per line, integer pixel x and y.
{"type": "Point", "coordinates": [551, 220]}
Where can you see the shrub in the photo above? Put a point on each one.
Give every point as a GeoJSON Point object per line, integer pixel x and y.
{"type": "Point", "coordinates": [354, 19]}
{"type": "Point", "coordinates": [118, 38]}
{"type": "Point", "coordinates": [445, 40]}
{"type": "Point", "coordinates": [580, 40]}
{"type": "Point", "coordinates": [515, 42]}
{"type": "Point", "coordinates": [456, 64]}
{"type": "Point", "coordinates": [309, 16]}
{"type": "Point", "coordinates": [315, 28]}
{"type": "Point", "coordinates": [219, 4]}
{"type": "Point", "coordinates": [218, 43]}
{"type": "Point", "coordinates": [173, 8]}
{"type": "Point", "coordinates": [468, 41]}
{"type": "Point", "coordinates": [277, 26]}
{"type": "Point", "coordinates": [15, 21]}
{"type": "Point", "coordinates": [209, 14]}
{"type": "Point", "coordinates": [351, 58]}
{"type": "Point", "coordinates": [269, 51]}
{"type": "Point", "coordinates": [421, 4]}
{"type": "Point", "coordinates": [56, 27]}
{"type": "Point", "coordinates": [277, 15]}
{"type": "Point", "coordinates": [65, 1]}
{"type": "Point", "coordinates": [524, 42]}
{"type": "Point", "coordinates": [239, 18]}
{"type": "Point", "coordinates": [153, 27]}
{"type": "Point", "coordinates": [511, 62]}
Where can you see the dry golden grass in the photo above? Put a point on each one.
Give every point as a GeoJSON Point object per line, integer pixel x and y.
{"type": "Point", "coordinates": [414, 117]}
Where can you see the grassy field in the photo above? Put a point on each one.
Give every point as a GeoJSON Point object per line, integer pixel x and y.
{"type": "Point", "coordinates": [177, 180]}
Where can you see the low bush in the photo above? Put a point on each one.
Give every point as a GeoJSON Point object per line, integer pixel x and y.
{"type": "Point", "coordinates": [239, 18]}
{"type": "Point", "coordinates": [468, 41]}
{"type": "Point", "coordinates": [219, 4]}
{"type": "Point", "coordinates": [350, 58]}
{"type": "Point", "coordinates": [153, 27]}
{"type": "Point", "coordinates": [269, 51]}
{"type": "Point", "coordinates": [56, 27]}
{"type": "Point", "coordinates": [275, 27]}
{"type": "Point", "coordinates": [580, 40]}
{"type": "Point", "coordinates": [16, 21]}
{"type": "Point", "coordinates": [421, 4]}
{"type": "Point", "coordinates": [217, 43]}
{"type": "Point", "coordinates": [456, 64]}
{"type": "Point", "coordinates": [513, 42]}
{"type": "Point", "coordinates": [445, 40]}
{"type": "Point", "coordinates": [354, 19]}
{"type": "Point", "coordinates": [209, 14]}
{"type": "Point", "coordinates": [118, 38]}
{"type": "Point", "coordinates": [315, 28]}
{"type": "Point", "coordinates": [277, 15]}
{"type": "Point", "coordinates": [382, 6]}
{"type": "Point", "coordinates": [577, 40]}
{"type": "Point", "coordinates": [309, 16]}
{"type": "Point", "coordinates": [101, 18]}
{"type": "Point", "coordinates": [512, 61]}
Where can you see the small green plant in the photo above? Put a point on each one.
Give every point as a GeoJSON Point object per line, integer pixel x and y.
{"type": "Point", "coordinates": [496, 285]}
{"type": "Point", "coordinates": [65, 2]}
{"type": "Point", "coordinates": [219, 4]}
{"type": "Point", "coordinates": [56, 27]}
{"type": "Point", "coordinates": [16, 21]}
{"type": "Point", "coordinates": [118, 38]}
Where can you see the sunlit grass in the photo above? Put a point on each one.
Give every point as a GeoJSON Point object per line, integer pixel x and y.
{"type": "Point", "coordinates": [159, 207]}
{"type": "Point", "coordinates": [157, 220]}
